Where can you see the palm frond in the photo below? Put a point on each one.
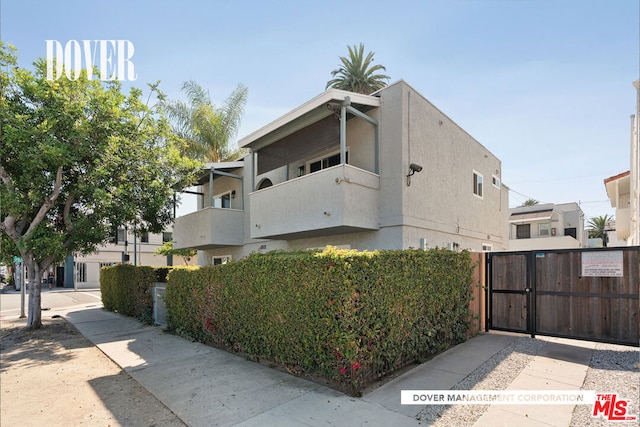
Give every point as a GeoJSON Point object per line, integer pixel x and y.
{"type": "Point", "coordinates": [356, 74]}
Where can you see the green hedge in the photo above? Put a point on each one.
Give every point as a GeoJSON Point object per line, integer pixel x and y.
{"type": "Point", "coordinates": [127, 289]}
{"type": "Point", "coordinates": [348, 316]}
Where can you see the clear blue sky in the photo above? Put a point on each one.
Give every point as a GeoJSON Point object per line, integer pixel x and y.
{"type": "Point", "coordinates": [546, 85]}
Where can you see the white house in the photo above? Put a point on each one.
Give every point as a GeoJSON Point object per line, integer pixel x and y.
{"type": "Point", "coordinates": [546, 226]}
{"type": "Point", "coordinates": [83, 271]}
{"type": "Point", "coordinates": [381, 171]}
{"type": "Point", "coordinates": [624, 189]}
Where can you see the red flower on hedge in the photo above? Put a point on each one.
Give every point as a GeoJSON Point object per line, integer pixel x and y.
{"type": "Point", "coordinates": [210, 327]}
{"type": "Point", "coordinates": [337, 353]}
{"type": "Point", "coordinates": [355, 366]}
{"type": "Point", "coordinates": [343, 370]}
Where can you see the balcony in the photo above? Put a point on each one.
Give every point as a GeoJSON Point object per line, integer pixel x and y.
{"type": "Point", "coordinates": [623, 223]}
{"type": "Point", "coordinates": [208, 228]}
{"type": "Point", "coordinates": [340, 199]}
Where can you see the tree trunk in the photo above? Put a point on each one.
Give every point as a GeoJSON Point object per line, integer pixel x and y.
{"type": "Point", "coordinates": [34, 315]}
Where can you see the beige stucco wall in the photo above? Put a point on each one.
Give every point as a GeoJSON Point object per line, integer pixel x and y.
{"type": "Point", "coordinates": [438, 208]}
{"type": "Point", "coordinates": [111, 253]}
{"type": "Point", "coordinates": [439, 205]}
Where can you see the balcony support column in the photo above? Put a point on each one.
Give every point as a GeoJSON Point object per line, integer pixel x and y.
{"type": "Point", "coordinates": [211, 187]}
{"type": "Point", "coordinates": [343, 129]}
{"type": "Point", "coordinates": [374, 122]}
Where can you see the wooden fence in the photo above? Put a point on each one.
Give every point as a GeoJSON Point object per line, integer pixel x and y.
{"type": "Point", "coordinates": [589, 294]}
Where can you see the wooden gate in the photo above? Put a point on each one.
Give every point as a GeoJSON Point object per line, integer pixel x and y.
{"type": "Point", "coordinates": [589, 294]}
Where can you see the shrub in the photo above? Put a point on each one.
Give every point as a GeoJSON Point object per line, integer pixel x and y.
{"type": "Point", "coordinates": [346, 315]}
{"type": "Point", "coordinates": [127, 289]}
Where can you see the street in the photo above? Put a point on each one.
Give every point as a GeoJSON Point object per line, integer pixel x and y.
{"type": "Point", "coordinates": [53, 300]}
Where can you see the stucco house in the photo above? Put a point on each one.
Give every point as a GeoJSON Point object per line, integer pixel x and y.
{"type": "Point", "coordinates": [623, 189]}
{"type": "Point", "coordinates": [546, 226]}
{"type": "Point", "coordinates": [619, 192]}
{"type": "Point", "coordinates": [381, 171]}
{"type": "Point", "coordinates": [83, 271]}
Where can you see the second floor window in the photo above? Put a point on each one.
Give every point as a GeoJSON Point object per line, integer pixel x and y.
{"type": "Point", "coordinates": [323, 163]}
{"type": "Point", "coordinates": [544, 229]}
{"type": "Point", "coordinates": [477, 184]}
{"type": "Point", "coordinates": [523, 231]}
{"type": "Point", "coordinates": [223, 201]}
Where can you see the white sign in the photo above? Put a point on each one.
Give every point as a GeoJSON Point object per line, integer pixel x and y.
{"type": "Point", "coordinates": [602, 264]}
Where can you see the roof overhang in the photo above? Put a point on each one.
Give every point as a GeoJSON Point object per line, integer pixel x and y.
{"type": "Point", "coordinates": [530, 216]}
{"type": "Point", "coordinates": [617, 185]}
{"type": "Point", "coordinates": [308, 113]}
{"type": "Point", "coordinates": [224, 167]}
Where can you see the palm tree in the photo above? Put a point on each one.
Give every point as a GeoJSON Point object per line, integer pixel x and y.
{"type": "Point", "coordinates": [597, 228]}
{"type": "Point", "coordinates": [356, 74]}
{"type": "Point", "coordinates": [530, 202]}
{"type": "Point", "coordinates": [206, 129]}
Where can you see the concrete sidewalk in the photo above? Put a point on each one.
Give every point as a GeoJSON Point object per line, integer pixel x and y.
{"type": "Point", "coordinates": [205, 386]}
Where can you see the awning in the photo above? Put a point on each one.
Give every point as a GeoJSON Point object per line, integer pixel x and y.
{"type": "Point", "coordinates": [531, 216]}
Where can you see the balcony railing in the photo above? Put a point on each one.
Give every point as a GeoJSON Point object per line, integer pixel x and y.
{"type": "Point", "coordinates": [208, 228]}
{"type": "Point", "coordinates": [623, 223]}
{"type": "Point", "coordinates": [340, 199]}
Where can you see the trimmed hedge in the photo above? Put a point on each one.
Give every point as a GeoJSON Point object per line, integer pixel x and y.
{"type": "Point", "coordinates": [350, 317]}
{"type": "Point", "coordinates": [127, 289]}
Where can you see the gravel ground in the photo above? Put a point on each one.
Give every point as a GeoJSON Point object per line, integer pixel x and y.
{"type": "Point", "coordinates": [613, 368]}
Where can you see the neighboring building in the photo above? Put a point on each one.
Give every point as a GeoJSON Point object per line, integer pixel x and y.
{"type": "Point", "coordinates": [619, 192]}
{"type": "Point", "coordinates": [624, 189]}
{"type": "Point", "coordinates": [381, 171]}
{"type": "Point", "coordinates": [140, 251]}
{"type": "Point", "coordinates": [546, 226]}
{"type": "Point", "coordinates": [612, 235]}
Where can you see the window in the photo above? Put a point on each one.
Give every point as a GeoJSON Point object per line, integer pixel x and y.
{"type": "Point", "coordinates": [166, 236]}
{"type": "Point", "coordinates": [477, 184]}
{"type": "Point", "coordinates": [81, 272]}
{"type": "Point", "coordinates": [265, 183]}
{"type": "Point", "coordinates": [222, 201]}
{"type": "Point", "coordinates": [107, 264]}
{"type": "Point", "coordinates": [323, 163]}
{"type": "Point", "coordinates": [523, 231]}
{"type": "Point", "coordinates": [544, 229]}
{"type": "Point", "coordinates": [571, 232]}
{"type": "Point", "coordinates": [122, 235]}
{"type": "Point", "coordinates": [218, 260]}
{"type": "Point", "coordinates": [495, 181]}
{"type": "Point", "coordinates": [144, 237]}
{"type": "Point", "coordinates": [487, 247]}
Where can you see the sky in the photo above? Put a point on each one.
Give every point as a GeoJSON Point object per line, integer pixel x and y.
{"type": "Point", "coordinates": [545, 85]}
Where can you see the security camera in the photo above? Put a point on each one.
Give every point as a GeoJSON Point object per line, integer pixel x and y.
{"type": "Point", "coordinates": [413, 168]}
